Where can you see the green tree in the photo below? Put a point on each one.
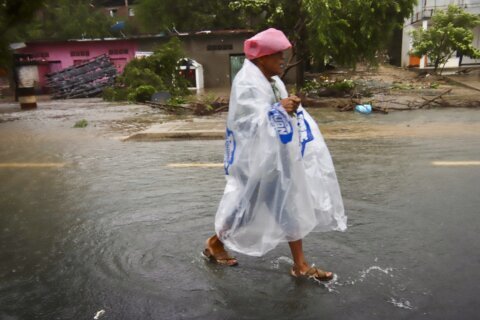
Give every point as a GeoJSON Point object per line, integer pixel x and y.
{"type": "Point", "coordinates": [69, 19]}
{"type": "Point", "coordinates": [158, 71]}
{"type": "Point", "coordinates": [350, 31]}
{"type": "Point", "coordinates": [14, 16]}
{"type": "Point", "coordinates": [184, 15]}
{"type": "Point", "coordinates": [450, 31]}
{"type": "Point", "coordinates": [346, 31]}
{"type": "Point", "coordinates": [23, 20]}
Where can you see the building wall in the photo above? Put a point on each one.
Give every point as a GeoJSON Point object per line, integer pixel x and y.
{"type": "Point", "coordinates": [211, 51]}
{"type": "Point", "coordinates": [119, 8]}
{"type": "Point", "coordinates": [476, 43]}
{"type": "Point", "coordinates": [64, 54]}
{"type": "Point", "coordinates": [406, 44]}
{"type": "Point", "coordinates": [214, 54]}
{"type": "Point", "coordinates": [423, 11]}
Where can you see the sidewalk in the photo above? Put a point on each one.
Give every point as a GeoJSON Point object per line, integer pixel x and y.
{"type": "Point", "coordinates": [192, 129]}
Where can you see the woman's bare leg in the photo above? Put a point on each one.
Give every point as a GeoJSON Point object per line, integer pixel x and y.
{"type": "Point", "coordinates": [300, 264]}
{"type": "Point", "coordinates": [299, 261]}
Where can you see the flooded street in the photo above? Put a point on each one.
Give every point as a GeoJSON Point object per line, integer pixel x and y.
{"type": "Point", "coordinates": [91, 223]}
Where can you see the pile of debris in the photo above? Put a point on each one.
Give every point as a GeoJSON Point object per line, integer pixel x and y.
{"type": "Point", "coordinates": [382, 90]}
{"type": "Point", "coordinates": [384, 106]}
{"type": "Point", "coordinates": [198, 108]}
{"type": "Point", "coordinates": [83, 80]}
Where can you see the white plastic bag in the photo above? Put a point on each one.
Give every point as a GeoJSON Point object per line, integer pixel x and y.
{"type": "Point", "coordinates": [281, 182]}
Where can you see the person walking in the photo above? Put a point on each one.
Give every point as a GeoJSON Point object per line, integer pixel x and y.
{"type": "Point", "coordinates": [280, 179]}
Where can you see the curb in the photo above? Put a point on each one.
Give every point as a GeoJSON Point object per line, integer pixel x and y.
{"type": "Point", "coordinates": [177, 135]}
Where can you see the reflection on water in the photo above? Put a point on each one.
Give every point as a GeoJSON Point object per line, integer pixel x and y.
{"type": "Point", "coordinates": [116, 229]}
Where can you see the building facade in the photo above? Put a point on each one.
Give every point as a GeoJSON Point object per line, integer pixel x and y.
{"type": "Point", "coordinates": [63, 54]}
{"type": "Point", "coordinates": [220, 53]}
{"type": "Point", "coordinates": [420, 18]}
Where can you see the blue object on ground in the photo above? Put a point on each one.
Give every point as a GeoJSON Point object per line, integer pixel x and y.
{"type": "Point", "coordinates": [363, 108]}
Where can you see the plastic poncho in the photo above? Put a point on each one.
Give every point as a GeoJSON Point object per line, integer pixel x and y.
{"type": "Point", "coordinates": [281, 183]}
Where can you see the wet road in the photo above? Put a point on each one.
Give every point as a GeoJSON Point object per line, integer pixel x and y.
{"type": "Point", "coordinates": [108, 225]}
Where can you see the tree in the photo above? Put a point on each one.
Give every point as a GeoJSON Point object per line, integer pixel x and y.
{"type": "Point", "coordinates": [450, 32]}
{"type": "Point", "coordinates": [14, 15]}
{"type": "Point", "coordinates": [158, 72]}
{"type": "Point", "coordinates": [345, 31]}
{"type": "Point", "coordinates": [350, 31]}
{"type": "Point", "coordinates": [69, 19]}
{"type": "Point", "coordinates": [184, 15]}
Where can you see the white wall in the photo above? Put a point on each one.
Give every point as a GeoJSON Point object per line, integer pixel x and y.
{"type": "Point", "coordinates": [476, 43]}
{"type": "Point", "coordinates": [406, 44]}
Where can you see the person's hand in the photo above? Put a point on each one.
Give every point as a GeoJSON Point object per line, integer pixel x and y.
{"type": "Point", "coordinates": [290, 104]}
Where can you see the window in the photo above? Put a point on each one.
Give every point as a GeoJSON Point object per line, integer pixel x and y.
{"type": "Point", "coordinates": [112, 12]}
{"type": "Point", "coordinates": [80, 61]}
{"type": "Point", "coordinates": [84, 53]}
{"type": "Point", "coordinates": [214, 47]}
{"type": "Point", "coordinates": [113, 52]}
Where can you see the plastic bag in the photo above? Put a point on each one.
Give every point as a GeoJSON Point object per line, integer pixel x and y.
{"type": "Point", "coordinates": [281, 183]}
{"type": "Point", "coordinates": [364, 108]}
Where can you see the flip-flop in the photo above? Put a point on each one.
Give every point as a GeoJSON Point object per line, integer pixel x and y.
{"type": "Point", "coordinates": [222, 258]}
{"type": "Point", "coordinates": [313, 273]}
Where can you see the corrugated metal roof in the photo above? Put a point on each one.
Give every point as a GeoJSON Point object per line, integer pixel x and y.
{"type": "Point", "coordinates": [160, 35]}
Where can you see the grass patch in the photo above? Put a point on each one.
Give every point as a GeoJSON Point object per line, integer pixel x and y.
{"type": "Point", "coordinates": [81, 124]}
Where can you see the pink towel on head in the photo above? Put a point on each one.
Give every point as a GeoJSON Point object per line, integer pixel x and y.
{"type": "Point", "coordinates": [265, 43]}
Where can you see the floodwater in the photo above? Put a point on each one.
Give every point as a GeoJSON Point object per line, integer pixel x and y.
{"type": "Point", "coordinates": [90, 223]}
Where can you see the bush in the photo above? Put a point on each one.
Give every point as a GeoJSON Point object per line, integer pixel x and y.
{"type": "Point", "coordinates": [81, 124]}
{"type": "Point", "coordinates": [329, 88]}
{"type": "Point", "coordinates": [142, 93]}
{"type": "Point", "coordinates": [115, 94]}
{"type": "Point", "coordinates": [143, 77]}
{"type": "Point", "coordinates": [177, 100]}
{"type": "Point", "coordinates": [134, 77]}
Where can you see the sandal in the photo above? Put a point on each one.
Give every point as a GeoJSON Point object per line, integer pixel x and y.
{"type": "Point", "coordinates": [222, 258]}
{"type": "Point", "coordinates": [312, 273]}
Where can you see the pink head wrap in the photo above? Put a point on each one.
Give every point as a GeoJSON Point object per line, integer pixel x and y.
{"type": "Point", "coordinates": [265, 43]}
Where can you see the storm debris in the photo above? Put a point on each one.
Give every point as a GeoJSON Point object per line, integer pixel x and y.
{"type": "Point", "coordinates": [83, 80]}
{"type": "Point", "coordinates": [198, 108]}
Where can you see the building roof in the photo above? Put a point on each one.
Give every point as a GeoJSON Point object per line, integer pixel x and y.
{"type": "Point", "coordinates": [160, 35]}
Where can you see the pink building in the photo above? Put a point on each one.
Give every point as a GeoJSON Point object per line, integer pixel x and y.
{"type": "Point", "coordinates": [219, 52]}
{"type": "Point", "coordinates": [57, 55]}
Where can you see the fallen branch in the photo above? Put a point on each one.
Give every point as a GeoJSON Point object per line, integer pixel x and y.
{"type": "Point", "coordinates": [168, 107]}
{"type": "Point", "coordinates": [399, 109]}
{"type": "Point", "coordinates": [199, 109]}
{"type": "Point", "coordinates": [221, 109]}
{"type": "Point", "coordinates": [347, 108]}
{"type": "Point", "coordinates": [380, 109]}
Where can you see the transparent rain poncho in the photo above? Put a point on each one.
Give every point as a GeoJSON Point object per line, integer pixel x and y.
{"type": "Point", "coordinates": [281, 183]}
